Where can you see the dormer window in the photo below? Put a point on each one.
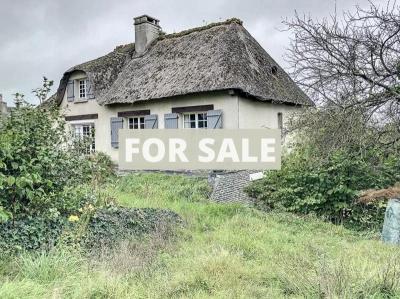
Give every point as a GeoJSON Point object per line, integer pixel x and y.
{"type": "Point", "coordinates": [82, 89]}
{"type": "Point", "coordinates": [79, 88]}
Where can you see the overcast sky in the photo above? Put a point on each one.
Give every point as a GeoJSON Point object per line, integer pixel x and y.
{"type": "Point", "coordinates": [47, 37]}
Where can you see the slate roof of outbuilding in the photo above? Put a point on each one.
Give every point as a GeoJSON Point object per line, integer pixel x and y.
{"type": "Point", "coordinates": [220, 56]}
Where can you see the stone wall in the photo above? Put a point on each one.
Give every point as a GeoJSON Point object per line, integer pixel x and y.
{"type": "Point", "coordinates": [229, 186]}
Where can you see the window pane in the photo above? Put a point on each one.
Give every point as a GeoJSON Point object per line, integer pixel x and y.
{"type": "Point", "coordinates": [142, 122]}
{"type": "Point", "coordinates": [82, 88]}
{"type": "Point", "coordinates": [85, 134]}
{"type": "Point", "coordinates": [136, 123]}
{"type": "Point", "coordinates": [195, 120]}
{"type": "Point", "coordinates": [203, 124]}
{"type": "Point", "coordinates": [77, 130]}
{"type": "Point", "coordinates": [189, 121]}
{"type": "Point", "coordinates": [202, 120]}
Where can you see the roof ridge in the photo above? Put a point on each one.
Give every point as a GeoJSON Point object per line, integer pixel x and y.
{"type": "Point", "coordinates": [201, 28]}
{"type": "Point", "coordinates": [123, 48]}
{"type": "Point", "coordinates": [119, 50]}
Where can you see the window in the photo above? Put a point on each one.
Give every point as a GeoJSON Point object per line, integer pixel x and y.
{"type": "Point", "coordinates": [195, 120]}
{"type": "Point", "coordinates": [82, 89]}
{"type": "Point", "coordinates": [136, 123]}
{"type": "Point", "coordinates": [85, 134]}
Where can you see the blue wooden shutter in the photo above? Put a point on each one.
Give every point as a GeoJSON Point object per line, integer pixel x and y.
{"type": "Point", "coordinates": [116, 124]}
{"type": "Point", "coordinates": [151, 121]}
{"type": "Point", "coordinates": [171, 121]}
{"type": "Point", "coordinates": [89, 88]}
{"type": "Point", "coordinates": [70, 91]}
{"type": "Point", "coordinates": [214, 119]}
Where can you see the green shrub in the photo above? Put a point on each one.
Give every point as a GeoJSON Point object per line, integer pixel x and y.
{"type": "Point", "coordinates": [330, 188]}
{"type": "Point", "coordinates": [31, 233]}
{"type": "Point", "coordinates": [109, 226]}
{"type": "Point", "coordinates": [102, 168]}
{"type": "Point", "coordinates": [92, 229]}
{"type": "Point", "coordinates": [37, 161]}
{"type": "Point", "coordinates": [45, 177]}
{"type": "Point", "coordinates": [41, 169]}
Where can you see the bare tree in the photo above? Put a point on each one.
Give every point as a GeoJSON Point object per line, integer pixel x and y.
{"type": "Point", "coordinates": [351, 60]}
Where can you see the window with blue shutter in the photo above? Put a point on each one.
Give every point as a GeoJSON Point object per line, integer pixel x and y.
{"type": "Point", "coordinates": [116, 124]}
{"type": "Point", "coordinates": [151, 121]}
{"type": "Point", "coordinates": [171, 121]}
{"type": "Point", "coordinates": [214, 119]}
{"type": "Point", "coordinates": [70, 91]}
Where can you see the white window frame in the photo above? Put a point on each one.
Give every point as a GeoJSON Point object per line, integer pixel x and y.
{"type": "Point", "coordinates": [140, 122]}
{"type": "Point", "coordinates": [197, 121]}
{"type": "Point", "coordinates": [76, 124]}
{"type": "Point", "coordinates": [82, 88]}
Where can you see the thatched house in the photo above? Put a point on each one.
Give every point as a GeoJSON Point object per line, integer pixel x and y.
{"type": "Point", "coordinates": [216, 76]}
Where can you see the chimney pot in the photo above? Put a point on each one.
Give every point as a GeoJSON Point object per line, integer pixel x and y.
{"type": "Point", "coordinates": [147, 29]}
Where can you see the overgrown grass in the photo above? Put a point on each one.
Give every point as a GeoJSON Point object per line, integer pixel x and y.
{"type": "Point", "coordinates": [224, 251]}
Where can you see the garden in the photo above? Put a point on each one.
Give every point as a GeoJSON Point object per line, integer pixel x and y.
{"type": "Point", "coordinates": [70, 227]}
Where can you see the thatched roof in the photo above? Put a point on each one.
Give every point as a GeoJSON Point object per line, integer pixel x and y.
{"type": "Point", "coordinates": [220, 56]}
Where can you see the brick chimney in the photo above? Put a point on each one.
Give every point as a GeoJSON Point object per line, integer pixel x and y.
{"type": "Point", "coordinates": [147, 29]}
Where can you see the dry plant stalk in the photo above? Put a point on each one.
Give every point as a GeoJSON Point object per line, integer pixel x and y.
{"type": "Point", "coordinates": [372, 195]}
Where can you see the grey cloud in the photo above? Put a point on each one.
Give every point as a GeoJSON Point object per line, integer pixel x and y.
{"type": "Point", "coordinates": [47, 37]}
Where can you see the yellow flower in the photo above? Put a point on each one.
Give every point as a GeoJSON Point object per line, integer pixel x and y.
{"type": "Point", "coordinates": [73, 218]}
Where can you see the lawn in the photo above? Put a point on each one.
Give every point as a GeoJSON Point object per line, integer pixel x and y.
{"type": "Point", "coordinates": [222, 251]}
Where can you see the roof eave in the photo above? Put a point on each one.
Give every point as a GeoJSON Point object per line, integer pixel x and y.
{"type": "Point", "coordinates": [238, 91]}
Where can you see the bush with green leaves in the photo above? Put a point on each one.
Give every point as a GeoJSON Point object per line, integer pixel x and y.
{"type": "Point", "coordinates": [41, 168]}
{"type": "Point", "coordinates": [37, 161]}
{"type": "Point", "coordinates": [102, 168]}
{"type": "Point", "coordinates": [329, 188]}
{"type": "Point", "coordinates": [109, 226]}
{"type": "Point", "coordinates": [31, 233]}
{"type": "Point", "coordinates": [92, 229]}
{"type": "Point", "coordinates": [46, 175]}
